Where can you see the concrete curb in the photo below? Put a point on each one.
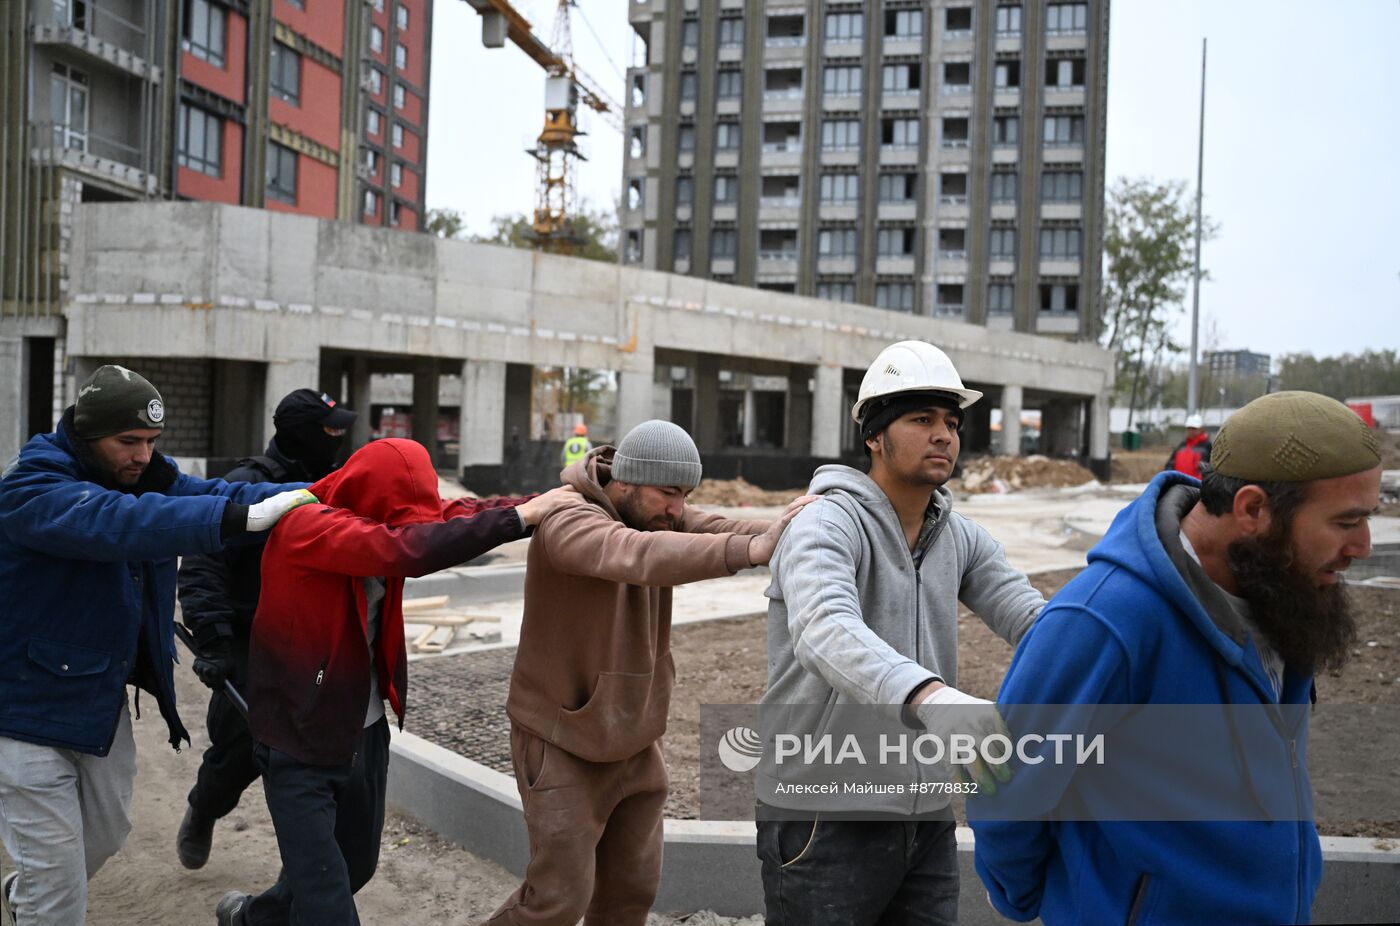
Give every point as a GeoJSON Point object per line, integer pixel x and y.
{"type": "Point", "coordinates": [711, 865]}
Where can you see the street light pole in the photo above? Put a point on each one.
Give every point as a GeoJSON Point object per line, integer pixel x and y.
{"type": "Point", "coordinates": [1196, 287]}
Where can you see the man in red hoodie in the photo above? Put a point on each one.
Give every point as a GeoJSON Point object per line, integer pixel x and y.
{"type": "Point", "coordinates": [327, 648]}
{"type": "Point", "coordinates": [1188, 455]}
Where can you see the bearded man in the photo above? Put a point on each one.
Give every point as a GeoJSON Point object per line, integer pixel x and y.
{"type": "Point", "coordinates": [1226, 591]}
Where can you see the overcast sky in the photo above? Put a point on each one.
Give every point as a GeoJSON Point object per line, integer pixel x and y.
{"type": "Point", "coordinates": [1302, 160]}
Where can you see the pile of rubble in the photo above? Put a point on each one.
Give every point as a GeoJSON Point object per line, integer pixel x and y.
{"type": "Point", "coordinates": [1009, 474]}
{"type": "Point", "coordinates": [739, 493]}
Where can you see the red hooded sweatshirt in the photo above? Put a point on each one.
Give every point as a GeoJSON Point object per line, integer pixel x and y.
{"type": "Point", "coordinates": [380, 515]}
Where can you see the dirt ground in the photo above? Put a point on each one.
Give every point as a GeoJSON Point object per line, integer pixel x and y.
{"type": "Point", "coordinates": [725, 662]}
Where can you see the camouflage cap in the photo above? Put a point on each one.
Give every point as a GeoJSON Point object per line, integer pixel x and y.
{"type": "Point", "coordinates": [1294, 437]}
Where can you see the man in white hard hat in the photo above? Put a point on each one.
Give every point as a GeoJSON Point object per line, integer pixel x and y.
{"type": "Point", "coordinates": [863, 611]}
{"type": "Point", "coordinates": [1194, 449]}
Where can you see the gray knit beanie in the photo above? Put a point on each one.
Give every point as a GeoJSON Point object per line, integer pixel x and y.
{"type": "Point", "coordinates": [657, 453]}
{"type": "Point", "coordinates": [114, 399]}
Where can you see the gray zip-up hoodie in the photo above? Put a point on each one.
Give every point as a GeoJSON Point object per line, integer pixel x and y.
{"type": "Point", "coordinates": [854, 617]}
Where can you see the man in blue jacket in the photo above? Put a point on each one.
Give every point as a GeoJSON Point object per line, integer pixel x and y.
{"type": "Point", "coordinates": [92, 519]}
{"type": "Point", "coordinates": [1223, 591]}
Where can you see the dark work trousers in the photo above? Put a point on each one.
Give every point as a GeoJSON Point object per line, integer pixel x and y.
{"type": "Point", "coordinates": [227, 768]}
{"type": "Point", "coordinates": [859, 873]}
{"type": "Point", "coordinates": [329, 820]}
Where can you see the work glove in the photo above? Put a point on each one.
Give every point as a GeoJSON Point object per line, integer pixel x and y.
{"type": "Point", "coordinates": [269, 511]}
{"type": "Point", "coordinates": [215, 663]}
{"type": "Point", "coordinates": [948, 711]}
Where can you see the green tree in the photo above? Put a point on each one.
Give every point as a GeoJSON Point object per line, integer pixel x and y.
{"type": "Point", "coordinates": [1149, 233]}
{"type": "Point", "coordinates": [445, 223]}
{"type": "Point", "coordinates": [596, 232]}
{"type": "Point", "coordinates": [1372, 372]}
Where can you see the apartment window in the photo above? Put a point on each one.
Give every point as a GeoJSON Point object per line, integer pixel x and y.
{"type": "Point", "coordinates": [904, 24]}
{"type": "Point", "coordinates": [376, 39]}
{"type": "Point", "coordinates": [731, 32]}
{"type": "Point", "coordinates": [895, 242]}
{"type": "Point", "coordinates": [685, 138]}
{"type": "Point", "coordinates": [844, 27]}
{"type": "Point", "coordinates": [1006, 130]}
{"type": "Point", "coordinates": [204, 31]}
{"type": "Point", "coordinates": [729, 84]}
{"type": "Point", "coordinates": [1008, 74]}
{"type": "Point", "coordinates": [1062, 186]}
{"type": "Point", "coordinates": [636, 188]}
{"type": "Point", "coordinates": [836, 290]}
{"type": "Point", "coordinates": [899, 133]}
{"type": "Point", "coordinates": [957, 19]}
{"type": "Point", "coordinates": [836, 242]}
{"type": "Point", "coordinates": [298, 4]}
{"type": "Point", "coordinates": [1066, 18]}
{"type": "Point", "coordinates": [1061, 131]}
{"type": "Point", "coordinates": [396, 175]}
{"type": "Point", "coordinates": [68, 99]}
{"type": "Point", "coordinates": [726, 190]}
{"type": "Point", "coordinates": [723, 243]}
{"type": "Point", "coordinates": [898, 297]}
{"type": "Point", "coordinates": [378, 5]}
{"type": "Point", "coordinates": [636, 141]}
{"type": "Point", "coordinates": [957, 77]}
{"type": "Point", "coordinates": [1002, 243]}
{"type": "Point", "coordinates": [955, 133]}
{"type": "Point", "coordinates": [680, 244]}
{"type": "Point", "coordinates": [900, 78]}
{"type": "Point", "coordinates": [841, 135]}
{"type": "Point", "coordinates": [372, 121]}
{"type": "Point", "coordinates": [897, 188]}
{"type": "Point", "coordinates": [401, 16]}
{"type": "Point", "coordinates": [400, 58]}
{"type": "Point", "coordinates": [841, 81]}
{"type": "Point", "coordinates": [690, 86]}
{"type": "Point", "coordinates": [949, 299]}
{"type": "Point", "coordinates": [1059, 297]}
{"type": "Point", "coordinates": [690, 34]}
{"type": "Point", "coordinates": [1064, 73]}
{"type": "Point", "coordinates": [281, 173]}
{"type": "Point", "coordinates": [952, 188]}
{"type": "Point", "coordinates": [395, 213]}
{"type": "Point", "coordinates": [400, 96]}
{"type": "Point", "coordinates": [727, 136]}
{"type": "Point", "coordinates": [285, 76]}
{"type": "Point", "coordinates": [1001, 298]}
{"type": "Point", "coordinates": [371, 161]}
{"type": "Point", "coordinates": [1059, 243]}
{"type": "Point", "coordinates": [1008, 20]}
{"type": "Point", "coordinates": [685, 191]}
{"type": "Point", "coordinates": [638, 93]}
{"type": "Point", "coordinates": [200, 143]}
{"type": "Point", "coordinates": [397, 135]}
{"type": "Point", "coordinates": [840, 189]}
{"type": "Point", "coordinates": [371, 202]}
{"type": "Point", "coordinates": [376, 81]}
{"type": "Point", "coordinates": [1003, 186]}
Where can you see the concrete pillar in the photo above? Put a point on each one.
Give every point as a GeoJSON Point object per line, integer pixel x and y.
{"type": "Point", "coordinates": [282, 377]}
{"type": "Point", "coordinates": [829, 414]}
{"type": "Point", "coordinates": [360, 402]}
{"type": "Point", "coordinates": [425, 404]}
{"type": "Point", "coordinates": [1060, 428]}
{"type": "Point", "coordinates": [14, 400]}
{"type": "Point", "coordinates": [481, 439]}
{"type": "Point", "coordinates": [234, 430]}
{"type": "Point", "coordinates": [798, 439]}
{"type": "Point", "coordinates": [520, 380]}
{"type": "Point", "coordinates": [636, 395]}
{"type": "Point", "coordinates": [977, 427]}
{"type": "Point", "coordinates": [1098, 430]}
{"type": "Point", "coordinates": [706, 403]}
{"type": "Point", "coordinates": [750, 414]}
{"type": "Point", "coordinates": [1010, 421]}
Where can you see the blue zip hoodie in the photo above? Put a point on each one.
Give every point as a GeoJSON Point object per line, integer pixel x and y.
{"type": "Point", "coordinates": [1131, 629]}
{"type": "Point", "coordinates": [87, 581]}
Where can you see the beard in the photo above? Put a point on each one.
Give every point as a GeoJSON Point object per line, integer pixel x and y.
{"type": "Point", "coordinates": [1311, 627]}
{"type": "Point", "coordinates": [633, 513]}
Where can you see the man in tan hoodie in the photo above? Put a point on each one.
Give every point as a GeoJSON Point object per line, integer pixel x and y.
{"type": "Point", "coordinates": [593, 673]}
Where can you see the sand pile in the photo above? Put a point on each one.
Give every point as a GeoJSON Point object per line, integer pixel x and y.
{"type": "Point", "coordinates": [1008, 474]}
{"type": "Point", "coordinates": [739, 493]}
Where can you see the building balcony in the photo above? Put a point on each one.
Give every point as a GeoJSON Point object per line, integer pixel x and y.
{"type": "Point", "coordinates": [97, 34]}
{"type": "Point", "coordinates": [1006, 154]}
{"type": "Point", "coordinates": [900, 99]}
{"type": "Point", "coordinates": [844, 266]}
{"type": "Point", "coordinates": [899, 211]}
{"type": "Point", "coordinates": [1001, 321]}
{"type": "Point", "coordinates": [841, 102]}
{"type": "Point", "coordinates": [777, 263]}
{"type": "Point", "coordinates": [726, 159]}
{"type": "Point", "coordinates": [1061, 210]}
{"type": "Point", "coordinates": [899, 155]}
{"type": "Point", "coordinates": [783, 101]}
{"type": "Point", "coordinates": [731, 53]}
{"type": "Point", "coordinates": [947, 143]}
{"type": "Point", "coordinates": [1001, 266]}
{"type": "Point", "coordinates": [854, 49]}
{"type": "Point", "coordinates": [897, 265]}
{"type": "Point", "coordinates": [731, 4]}
{"type": "Point", "coordinates": [1057, 322]}
{"type": "Point", "coordinates": [728, 106]}
{"type": "Point", "coordinates": [1063, 154]}
{"type": "Point", "coordinates": [949, 312]}
{"type": "Point", "coordinates": [785, 41]}
{"type": "Point", "coordinates": [838, 212]}
{"type": "Point", "coordinates": [685, 160]}
{"type": "Point", "coordinates": [680, 265]}
{"type": "Point", "coordinates": [1006, 97]}
{"type": "Point", "coordinates": [1008, 42]}
{"type": "Point", "coordinates": [954, 210]}
{"type": "Point", "coordinates": [785, 208]}
{"type": "Point", "coordinates": [725, 212]}
{"type": "Point", "coordinates": [957, 35]}
{"type": "Point", "coordinates": [1059, 267]}
{"type": "Point", "coordinates": [1067, 41]}
{"type": "Point", "coordinates": [782, 155]}
{"type": "Point", "coordinates": [90, 154]}
{"type": "Point", "coordinates": [903, 45]}
{"type": "Point", "coordinates": [837, 157]}
{"type": "Point", "coordinates": [683, 212]}
{"type": "Point", "coordinates": [956, 90]}
{"type": "Point", "coordinates": [1064, 96]}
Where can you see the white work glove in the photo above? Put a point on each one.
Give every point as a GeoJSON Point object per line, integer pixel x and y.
{"type": "Point", "coordinates": [946, 712]}
{"type": "Point", "coordinates": [269, 511]}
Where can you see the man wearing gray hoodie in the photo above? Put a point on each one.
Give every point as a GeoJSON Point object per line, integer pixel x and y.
{"type": "Point", "coordinates": [863, 611]}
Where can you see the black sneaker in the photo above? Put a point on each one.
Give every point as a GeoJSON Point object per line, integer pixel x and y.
{"type": "Point", "coordinates": [231, 908]}
{"type": "Point", "coordinates": [194, 839]}
{"type": "Point", "coordinates": [7, 888]}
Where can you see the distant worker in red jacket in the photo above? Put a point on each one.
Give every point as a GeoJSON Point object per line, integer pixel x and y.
{"type": "Point", "coordinates": [326, 650]}
{"type": "Point", "coordinates": [1191, 452]}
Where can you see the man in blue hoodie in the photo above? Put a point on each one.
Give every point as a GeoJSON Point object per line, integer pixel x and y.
{"type": "Point", "coordinates": [92, 519]}
{"type": "Point", "coordinates": [863, 618]}
{"type": "Point", "coordinates": [1223, 591]}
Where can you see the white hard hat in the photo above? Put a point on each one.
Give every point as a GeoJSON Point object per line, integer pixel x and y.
{"type": "Point", "coordinates": [1194, 421]}
{"type": "Point", "coordinates": [911, 366]}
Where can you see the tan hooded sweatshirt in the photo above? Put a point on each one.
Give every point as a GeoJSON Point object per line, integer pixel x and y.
{"type": "Point", "coordinates": [593, 672]}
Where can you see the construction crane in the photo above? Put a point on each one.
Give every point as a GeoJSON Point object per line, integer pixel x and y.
{"type": "Point", "coordinates": [556, 149]}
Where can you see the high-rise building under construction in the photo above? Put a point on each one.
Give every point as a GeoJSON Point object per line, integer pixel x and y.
{"type": "Point", "coordinates": [938, 157]}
